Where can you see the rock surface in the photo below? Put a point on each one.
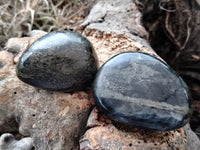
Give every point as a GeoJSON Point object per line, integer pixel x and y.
{"type": "Point", "coordinates": [102, 134]}
{"type": "Point", "coordinates": [8, 142]}
{"type": "Point", "coordinates": [175, 37]}
{"type": "Point", "coordinates": [138, 89]}
{"type": "Point", "coordinates": [61, 60]}
{"type": "Point", "coordinates": [55, 120]}
{"type": "Point", "coordinates": [120, 17]}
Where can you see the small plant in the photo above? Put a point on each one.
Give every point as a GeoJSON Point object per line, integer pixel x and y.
{"type": "Point", "coordinates": [19, 17]}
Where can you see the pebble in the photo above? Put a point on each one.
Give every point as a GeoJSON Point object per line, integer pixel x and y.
{"type": "Point", "coordinates": [61, 60]}
{"type": "Point", "coordinates": [8, 142]}
{"type": "Point", "coordinates": [137, 89]}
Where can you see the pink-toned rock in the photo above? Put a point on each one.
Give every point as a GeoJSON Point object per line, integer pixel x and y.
{"type": "Point", "coordinates": [18, 45]}
{"type": "Point", "coordinates": [102, 133]}
{"type": "Point", "coordinates": [54, 120]}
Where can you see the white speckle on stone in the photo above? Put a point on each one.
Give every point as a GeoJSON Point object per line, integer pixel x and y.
{"type": "Point", "coordinates": [33, 126]}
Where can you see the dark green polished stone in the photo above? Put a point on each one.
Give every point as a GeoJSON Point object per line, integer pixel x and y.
{"type": "Point", "coordinates": [61, 60]}
{"type": "Point", "coordinates": [140, 90]}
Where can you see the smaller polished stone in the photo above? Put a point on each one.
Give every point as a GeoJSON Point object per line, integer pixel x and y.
{"type": "Point", "coordinates": [61, 60]}
{"type": "Point", "coordinates": [137, 89]}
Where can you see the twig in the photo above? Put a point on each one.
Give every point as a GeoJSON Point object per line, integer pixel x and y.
{"type": "Point", "coordinates": [165, 9]}
{"type": "Point", "coordinates": [188, 31]}
{"type": "Point", "coordinates": [172, 36]}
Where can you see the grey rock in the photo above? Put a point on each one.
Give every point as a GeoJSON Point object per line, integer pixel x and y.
{"type": "Point", "coordinates": [61, 60]}
{"type": "Point", "coordinates": [8, 142]}
{"type": "Point", "coordinates": [138, 89]}
{"type": "Point", "coordinates": [54, 120]}
{"type": "Point", "coordinates": [121, 17]}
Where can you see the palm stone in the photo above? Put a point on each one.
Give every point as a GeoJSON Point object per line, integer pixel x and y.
{"type": "Point", "coordinates": [139, 90]}
{"type": "Point", "coordinates": [61, 60]}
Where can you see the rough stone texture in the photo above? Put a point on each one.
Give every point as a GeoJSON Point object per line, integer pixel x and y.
{"type": "Point", "coordinates": [53, 119]}
{"type": "Point", "coordinates": [121, 17]}
{"type": "Point", "coordinates": [175, 37]}
{"type": "Point", "coordinates": [102, 134]}
{"type": "Point", "coordinates": [8, 142]}
{"type": "Point", "coordinates": [17, 46]}
{"type": "Point", "coordinates": [111, 36]}
{"type": "Point", "coordinates": [106, 46]}
{"type": "Point", "coordinates": [61, 60]}
{"type": "Point", "coordinates": [139, 90]}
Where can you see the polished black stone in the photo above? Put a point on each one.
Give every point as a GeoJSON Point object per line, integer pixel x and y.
{"type": "Point", "coordinates": [140, 90]}
{"type": "Point", "coordinates": [61, 60]}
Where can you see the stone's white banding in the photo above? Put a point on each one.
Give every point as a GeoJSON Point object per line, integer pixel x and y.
{"type": "Point", "coordinates": [147, 102]}
{"type": "Point", "coordinates": [139, 90]}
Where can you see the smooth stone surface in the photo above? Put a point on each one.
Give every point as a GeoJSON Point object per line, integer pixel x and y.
{"type": "Point", "coordinates": [140, 90]}
{"type": "Point", "coordinates": [61, 60]}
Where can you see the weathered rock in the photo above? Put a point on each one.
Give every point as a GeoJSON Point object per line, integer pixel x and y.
{"type": "Point", "coordinates": [60, 60]}
{"type": "Point", "coordinates": [107, 44]}
{"type": "Point", "coordinates": [8, 142]}
{"type": "Point", "coordinates": [38, 111]}
{"type": "Point", "coordinates": [37, 33]}
{"type": "Point", "coordinates": [175, 37]}
{"type": "Point", "coordinates": [54, 120]}
{"type": "Point", "coordinates": [138, 89]}
{"type": "Point", "coordinates": [117, 16]}
{"type": "Point", "coordinates": [17, 46]}
{"type": "Point", "coordinates": [102, 134]}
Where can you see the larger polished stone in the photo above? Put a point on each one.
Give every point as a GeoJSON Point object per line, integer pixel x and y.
{"type": "Point", "coordinates": [61, 60]}
{"type": "Point", "coordinates": [140, 90]}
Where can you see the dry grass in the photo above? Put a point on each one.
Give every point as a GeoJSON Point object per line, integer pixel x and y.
{"type": "Point", "coordinates": [19, 17]}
